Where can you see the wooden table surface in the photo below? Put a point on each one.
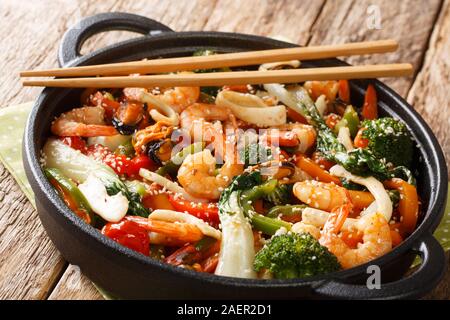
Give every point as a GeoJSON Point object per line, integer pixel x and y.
{"type": "Point", "coordinates": [30, 32]}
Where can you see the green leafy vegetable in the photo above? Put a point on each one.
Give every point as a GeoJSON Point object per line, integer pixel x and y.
{"type": "Point", "coordinates": [350, 185]}
{"type": "Point", "coordinates": [395, 197]}
{"type": "Point", "coordinates": [362, 162]}
{"type": "Point", "coordinates": [135, 206]}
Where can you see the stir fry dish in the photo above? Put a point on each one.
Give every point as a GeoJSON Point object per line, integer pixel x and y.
{"type": "Point", "coordinates": [270, 181]}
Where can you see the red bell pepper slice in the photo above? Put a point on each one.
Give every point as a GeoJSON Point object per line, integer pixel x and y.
{"type": "Point", "coordinates": [360, 141]}
{"type": "Point", "coordinates": [344, 91]}
{"type": "Point", "coordinates": [208, 212]}
{"type": "Point", "coordinates": [370, 108]}
{"type": "Point", "coordinates": [129, 234]}
{"type": "Point", "coordinates": [75, 142]}
{"type": "Point", "coordinates": [120, 163]}
{"type": "Point", "coordinates": [297, 117]}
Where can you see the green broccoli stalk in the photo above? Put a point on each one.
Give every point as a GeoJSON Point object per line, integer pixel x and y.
{"type": "Point", "coordinates": [239, 195]}
{"type": "Point", "coordinates": [389, 139]}
{"type": "Point", "coordinates": [295, 255]}
{"type": "Point", "coordinates": [282, 194]}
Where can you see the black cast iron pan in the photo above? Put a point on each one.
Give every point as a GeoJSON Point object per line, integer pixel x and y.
{"type": "Point", "coordinates": [128, 274]}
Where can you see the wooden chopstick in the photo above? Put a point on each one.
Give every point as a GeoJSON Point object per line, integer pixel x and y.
{"type": "Point", "coordinates": [232, 78]}
{"type": "Point", "coordinates": [220, 60]}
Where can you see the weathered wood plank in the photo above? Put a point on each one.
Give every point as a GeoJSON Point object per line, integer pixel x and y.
{"type": "Point", "coordinates": [409, 22]}
{"type": "Point", "coordinates": [74, 285]}
{"type": "Point", "coordinates": [286, 18]}
{"type": "Point", "coordinates": [430, 94]}
{"type": "Point", "coordinates": [29, 264]}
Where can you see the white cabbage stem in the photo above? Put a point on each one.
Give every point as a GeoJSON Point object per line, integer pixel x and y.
{"type": "Point", "coordinates": [278, 90]}
{"type": "Point", "coordinates": [237, 252]}
{"type": "Point", "coordinates": [384, 204]}
{"type": "Point", "coordinates": [344, 138]}
{"type": "Point", "coordinates": [72, 163]}
{"type": "Point", "coordinates": [321, 104]}
{"type": "Point", "coordinates": [111, 208]}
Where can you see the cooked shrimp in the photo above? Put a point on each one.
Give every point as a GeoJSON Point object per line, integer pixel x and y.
{"type": "Point", "coordinates": [376, 240]}
{"type": "Point", "coordinates": [178, 230]}
{"type": "Point", "coordinates": [197, 177]}
{"type": "Point", "coordinates": [175, 232]}
{"type": "Point", "coordinates": [178, 98]}
{"type": "Point", "coordinates": [305, 134]}
{"type": "Point", "coordinates": [196, 119]}
{"type": "Point", "coordinates": [320, 195]}
{"type": "Point", "coordinates": [83, 122]}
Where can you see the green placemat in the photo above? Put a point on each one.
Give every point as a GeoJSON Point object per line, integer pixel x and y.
{"type": "Point", "coordinates": [12, 125]}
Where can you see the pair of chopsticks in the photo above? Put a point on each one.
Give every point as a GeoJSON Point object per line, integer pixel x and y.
{"type": "Point", "coordinates": [116, 75]}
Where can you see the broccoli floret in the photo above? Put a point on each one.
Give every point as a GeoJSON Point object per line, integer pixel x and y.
{"type": "Point", "coordinates": [295, 255]}
{"type": "Point", "coordinates": [389, 139]}
{"type": "Point", "coordinates": [280, 195]}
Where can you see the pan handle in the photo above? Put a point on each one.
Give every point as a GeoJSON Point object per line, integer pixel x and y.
{"type": "Point", "coordinates": [423, 280]}
{"type": "Point", "coordinates": [75, 37]}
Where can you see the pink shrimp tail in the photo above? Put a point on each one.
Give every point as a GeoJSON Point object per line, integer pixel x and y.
{"type": "Point", "coordinates": [336, 219]}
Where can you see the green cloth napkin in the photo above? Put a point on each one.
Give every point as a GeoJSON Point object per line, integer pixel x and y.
{"type": "Point", "coordinates": [12, 125]}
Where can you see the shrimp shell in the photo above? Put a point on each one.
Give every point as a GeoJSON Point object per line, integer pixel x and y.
{"type": "Point", "coordinates": [320, 195]}
{"type": "Point", "coordinates": [377, 240]}
{"type": "Point", "coordinates": [83, 122]}
{"type": "Point", "coordinates": [197, 175]}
